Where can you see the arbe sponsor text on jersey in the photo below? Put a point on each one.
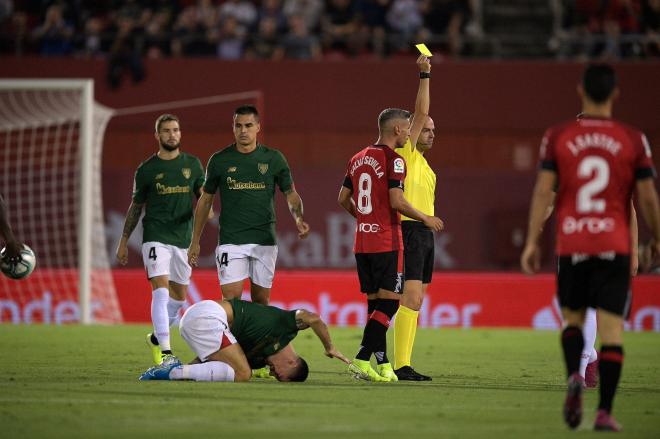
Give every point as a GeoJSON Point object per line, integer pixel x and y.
{"type": "Point", "coordinates": [590, 224]}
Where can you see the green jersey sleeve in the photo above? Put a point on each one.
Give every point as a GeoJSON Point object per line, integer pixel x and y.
{"type": "Point", "coordinates": [212, 177]}
{"type": "Point", "coordinates": [140, 187]}
{"type": "Point", "coordinates": [199, 180]}
{"type": "Point", "coordinates": [283, 177]}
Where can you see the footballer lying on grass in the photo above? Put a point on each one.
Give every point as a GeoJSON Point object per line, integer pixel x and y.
{"type": "Point", "coordinates": [233, 337]}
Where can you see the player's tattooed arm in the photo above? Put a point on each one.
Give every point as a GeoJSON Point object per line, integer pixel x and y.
{"type": "Point", "coordinates": [300, 323]}
{"type": "Point", "coordinates": [132, 218]}
{"type": "Point", "coordinates": [306, 319]}
{"type": "Point", "coordinates": [296, 208]}
{"type": "Point", "coordinates": [295, 203]}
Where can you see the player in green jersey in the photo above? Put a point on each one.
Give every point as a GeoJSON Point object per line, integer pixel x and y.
{"type": "Point", "coordinates": [246, 174]}
{"type": "Point", "coordinates": [231, 337]}
{"type": "Point", "coordinates": [164, 186]}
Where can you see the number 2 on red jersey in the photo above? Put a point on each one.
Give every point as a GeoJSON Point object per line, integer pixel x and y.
{"type": "Point", "coordinates": [599, 170]}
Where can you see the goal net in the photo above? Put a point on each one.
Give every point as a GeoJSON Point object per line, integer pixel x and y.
{"type": "Point", "coordinates": [51, 140]}
{"type": "Point", "coordinates": [51, 144]}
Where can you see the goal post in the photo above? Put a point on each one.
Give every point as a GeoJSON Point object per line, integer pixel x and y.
{"type": "Point", "coordinates": [51, 143]}
{"type": "Point", "coordinates": [51, 140]}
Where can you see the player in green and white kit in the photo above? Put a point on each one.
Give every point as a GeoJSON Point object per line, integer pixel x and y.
{"type": "Point", "coordinates": [231, 337]}
{"type": "Point", "coordinates": [164, 184]}
{"type": "Point", "coordinates": [246, 174]}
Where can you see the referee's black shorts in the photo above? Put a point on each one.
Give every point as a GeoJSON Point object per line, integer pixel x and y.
{"type": "Point", "coordinates": [595, 281]}
{"type": "Point", "coordinates": [418, 251]}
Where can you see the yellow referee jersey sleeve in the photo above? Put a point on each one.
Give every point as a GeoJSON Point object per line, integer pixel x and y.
{"type": "Point", "coordinates": [419, 185]}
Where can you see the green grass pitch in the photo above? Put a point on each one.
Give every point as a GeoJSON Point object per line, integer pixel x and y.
{"type": "Point", "coordinates": [81, 382]}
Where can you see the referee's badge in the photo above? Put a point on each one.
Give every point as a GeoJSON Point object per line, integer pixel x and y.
{"type": "Point", "coordinates": [186, 172]}
{"type": "Point", "coordinates": [263, 168]}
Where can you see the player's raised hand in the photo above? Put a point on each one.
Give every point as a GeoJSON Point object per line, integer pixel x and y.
{"type": "Point", "coordinates": [530, 260]}
{"type": "Point", "coordinates": [193, 254]}
{"type": "Point", "coordinates": [424, 64]}
{"type": "Point", "coordinates": [303, 228]}
{"type": "Point", "coordinates": [122, 253]}
{"type": "Point", "coordinates": [334, 353]}
{"type": "Point", "coordinates": [434, 223]}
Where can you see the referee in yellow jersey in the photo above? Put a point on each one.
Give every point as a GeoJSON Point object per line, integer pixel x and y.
{"type": "Point", "coordinates": [418, 242]}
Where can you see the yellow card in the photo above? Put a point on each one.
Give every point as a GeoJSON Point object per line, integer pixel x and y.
{"type": "Point", "coordinates": [423, 49]}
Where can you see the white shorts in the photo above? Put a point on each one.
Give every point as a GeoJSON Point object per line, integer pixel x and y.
{"type": "Point", "coordinates": [166, 260]}
{"type": "Point", "coordinates": [238, 262]}
{"type": "Point", "coordinates": [204, 327]}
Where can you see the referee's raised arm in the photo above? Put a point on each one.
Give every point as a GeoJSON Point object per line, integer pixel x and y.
{"type": "Point", "coordinates": [423, 100]}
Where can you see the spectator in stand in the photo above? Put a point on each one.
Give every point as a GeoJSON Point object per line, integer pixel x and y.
{"type": "Point", "coordinates": [92, 44]}
{"type": "Point", "coordinates": [190, 35]}
{"type": "Point", "coordinates": [446, 18]}
{"type": "Point", "coordinates": [405, 19]}
{"type": "Point", "coordinates": [308, 10]}
{"type": "Point", "coordinates": [14, 35]}
{"type": "Point", "coordinates": [620, 19]}
{"type": "Point", "coordinates": [598, 29]}
{"type": "Point", "coordinates": [272, 9]}
{"type": "Point", "coordinates": [371, 24]}
{"type": "Point", "coordinates": [205, 11]}
{"type": "Point", "coordinates": [54, 35]}
{"type": "Point", "coordinates": [265, 44]}
{"type": "Point", "coordinates": [650, 22]}
{"type": "Point", "coordinates": [338, 27]}
{"type": "Point", "coordinates": [580, 21]}
{"type": "Point", "coordinates": [130, 9]}
{"type": "Point", "coordinates": [126, 52]}
{"type": "Point", "coordinates": [158, 34]}
{"type": "Point", "coordinates": [230, 39]}
{"type": "Point", "coordinates": [242, 11]}
{"type": "Point", "coordinates": [299, 43]}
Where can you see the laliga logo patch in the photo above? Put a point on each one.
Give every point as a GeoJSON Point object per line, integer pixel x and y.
{"type": "Point", "coordinates": [399, 166]}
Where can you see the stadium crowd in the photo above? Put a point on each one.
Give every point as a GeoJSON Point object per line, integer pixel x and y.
{"type": "Point", "coordinates": [126, 31]}
{"type": "Point", "coordinates": [227, 29]}
{"type": "Point", "coordinates": [606, 29]}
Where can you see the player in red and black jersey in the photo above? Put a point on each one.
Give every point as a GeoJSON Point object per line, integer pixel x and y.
{"type": "Point", "coordinates": [595, 162]}
{"type": "Point", "coordinates": [373, 193]}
